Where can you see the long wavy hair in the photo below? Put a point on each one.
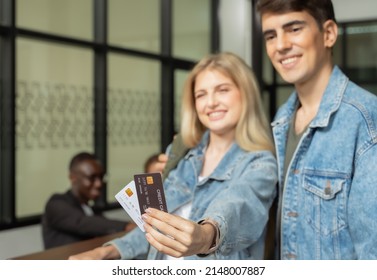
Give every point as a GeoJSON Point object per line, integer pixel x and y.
{"type": "Point", "coordinates": [252, 131]}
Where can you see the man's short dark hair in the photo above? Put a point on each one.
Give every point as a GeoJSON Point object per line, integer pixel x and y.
{"type": "Point", "coordinates": [152, 159]}
{"type": "Point", "coordinates": [80, 157]}
{"type": "Point", "coordinates": [320, 10]}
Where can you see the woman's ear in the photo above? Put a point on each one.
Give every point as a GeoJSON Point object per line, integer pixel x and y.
{"type": "Point", "coordinates": [330, 33]}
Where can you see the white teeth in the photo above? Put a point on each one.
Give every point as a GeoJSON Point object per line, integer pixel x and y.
{"type": "Point", "coordinates": [215, 114]}
{"type": "Point", "coordinates": [288, 60]}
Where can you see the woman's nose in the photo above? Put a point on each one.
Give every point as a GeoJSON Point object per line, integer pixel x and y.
{"type": "Point", "coordinates": [212, 100]}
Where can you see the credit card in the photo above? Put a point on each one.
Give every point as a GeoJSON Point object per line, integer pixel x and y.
{"type": "Point", "coordinates": [150, 191]}
{"type": "Point", "coordinates": [127, 197]}
{"type": "Point", "coordinates": [145, 191]}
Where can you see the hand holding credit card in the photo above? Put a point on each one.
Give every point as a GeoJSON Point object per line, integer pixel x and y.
{"type": "Point", "coordinates": [145, 191]}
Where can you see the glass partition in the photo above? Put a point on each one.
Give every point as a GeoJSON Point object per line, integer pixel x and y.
{"type": "Point", "coordinates": [134, 119]}
{"type": "Point", "coordinates": [180, 77]}
{"type": "Point", "coordinates": [54, 118]}
{"type": "Point", "coordinates": [135, 24]}
{"type": "Point", "coordinates": [361, 59]}
{"type": "Point", "coordinates": [191, 28]}
{"type": "Point", "coordinates": [67, 18]}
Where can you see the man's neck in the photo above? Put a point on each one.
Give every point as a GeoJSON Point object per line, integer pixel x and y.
{"type": "Point", "coordinates": [77, 195]}
{"type": "Point", "coordinates": [311, 91]}
{"type": "Point", "coordinates": [310, 95]}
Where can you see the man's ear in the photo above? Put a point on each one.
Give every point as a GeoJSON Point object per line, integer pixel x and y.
{"type": "Point", "coordinates": [72, 177]}
{"type": "Point", "coordinates": [330, 33]}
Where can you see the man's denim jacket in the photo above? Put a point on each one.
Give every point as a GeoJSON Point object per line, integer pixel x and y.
{"type": "Point", "coordinates": [328, 198]}
{"type": "Point", "coordinates": [237, 196]}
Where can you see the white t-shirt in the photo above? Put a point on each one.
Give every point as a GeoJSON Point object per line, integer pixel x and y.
{"type": "Point", "coordinates": [87, 210]}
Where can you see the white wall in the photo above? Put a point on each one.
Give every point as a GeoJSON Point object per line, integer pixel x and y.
{"type": "Point", "coordinates": [351, 10]}
{"type": "Point", "coordinates": [235, 26]}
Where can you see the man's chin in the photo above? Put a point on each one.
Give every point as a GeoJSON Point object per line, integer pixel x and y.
{"type": "Point", "coordinates": [93, 198]}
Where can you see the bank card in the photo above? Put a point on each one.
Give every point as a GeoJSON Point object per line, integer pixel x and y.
{"type": "Point", "coordinates": [127, 197]}
{"type": "Point", "coordinates": [150, 191]}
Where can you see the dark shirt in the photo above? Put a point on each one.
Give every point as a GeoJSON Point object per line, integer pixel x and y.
{"type": "Point", "coordinates": [64, 221]}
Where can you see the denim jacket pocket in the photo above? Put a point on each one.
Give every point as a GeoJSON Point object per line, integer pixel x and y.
{"type": "Point", "coordinates": [324, 200]}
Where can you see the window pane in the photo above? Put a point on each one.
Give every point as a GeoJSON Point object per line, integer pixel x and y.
{"type": "Point", "coordinates": [53, 119]}
{"type": "Point", "coordinates": [282, 94]}
{"type": "Point", "coordinates": [266, 103]}
{"type": "Point", "coordinates": [191, 28]}
{"type": "Point", "coordinates": [362, 52]}
{"type": "Point", "coordinates": [338, 48]}
{"type": "Point", "coordinates": [68, 17]}
{"type": "Point", "coordinates": [267, 68]}
{"type": "Point", "coordinates": [135, 24]}
{"type": "Point", "coordinates": [134, 120]}
{"type": "Point", "coordinates": [180, 77]}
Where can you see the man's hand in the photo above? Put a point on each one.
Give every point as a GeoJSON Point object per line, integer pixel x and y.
{"type": "Point", "coordinates": [162, 160]}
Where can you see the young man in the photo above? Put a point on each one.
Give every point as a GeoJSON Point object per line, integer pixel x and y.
{"type": "Point", "coordinates": [325, 137]}
{"type": "Point", "coordinates": [68, 217]}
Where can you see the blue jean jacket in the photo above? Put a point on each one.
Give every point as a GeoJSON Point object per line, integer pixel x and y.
{"type": "Point", "coordinates": [237, 195]}
{"type": "Point", "coordinates": [328, 198]}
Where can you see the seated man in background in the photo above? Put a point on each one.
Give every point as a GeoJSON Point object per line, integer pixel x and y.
{"type": "Point", "coordinates": [153, 164]}
{"type": "Point", "coordinates": [68, 217]}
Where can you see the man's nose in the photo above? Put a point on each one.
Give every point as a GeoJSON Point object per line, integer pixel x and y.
{"type": "Point", "coordinates": [283, 42]}
{"type": "Point", "coordinates": [98, 182]}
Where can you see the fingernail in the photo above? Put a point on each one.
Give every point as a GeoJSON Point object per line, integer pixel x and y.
{"type": "Point", "coordinates": [144, 217]}
{"type": "Point", "coordinates": [148, 210]}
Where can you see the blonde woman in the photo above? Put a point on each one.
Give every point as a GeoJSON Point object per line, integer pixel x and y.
{"type": "Point", "coordinates": [220, 193]}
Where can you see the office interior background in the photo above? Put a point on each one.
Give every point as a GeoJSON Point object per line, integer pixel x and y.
{"type": "Point", "coordinates": [106, 75]}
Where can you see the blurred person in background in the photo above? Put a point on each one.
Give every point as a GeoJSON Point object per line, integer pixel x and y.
{"type": "Point", "coordinates": [68, 217]}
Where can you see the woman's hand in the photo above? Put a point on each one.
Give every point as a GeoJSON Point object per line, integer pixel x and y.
{"type": "Point", "coordinates": [100, 253]}
{"type": "Point", "coordinates": [176, 236]}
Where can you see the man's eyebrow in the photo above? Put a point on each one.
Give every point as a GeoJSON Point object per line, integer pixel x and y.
{"type": "Point", "coordinates": [268, 31]}
{"type": "Point", "coordinates": [294, 22]}
{"type": "Point", "coordinates": [284, 26]}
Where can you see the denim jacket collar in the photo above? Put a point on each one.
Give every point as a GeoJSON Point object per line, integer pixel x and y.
{"type": "Point", "coordinates": [330, 102]}
{"type": "Point", "coordinates": [223, 171]}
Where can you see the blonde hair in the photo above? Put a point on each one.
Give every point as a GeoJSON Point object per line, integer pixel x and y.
{"type": "Point", "coordinates": [253, 130]}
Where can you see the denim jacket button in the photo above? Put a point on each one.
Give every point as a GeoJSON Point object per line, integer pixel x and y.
{"type": "Point", "coordinates": [296, 171]}
{"type": "Point", "coordinates": [327, 191]}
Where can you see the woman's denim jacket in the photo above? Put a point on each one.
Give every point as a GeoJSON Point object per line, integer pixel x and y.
{"type": "Point", "coordinates": [237, 195]}
{"type": "Point", "coordinates": [328, 199]}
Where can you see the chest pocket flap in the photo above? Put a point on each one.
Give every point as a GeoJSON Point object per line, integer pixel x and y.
{"type": "Point", "coordinates": [324, 184]}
